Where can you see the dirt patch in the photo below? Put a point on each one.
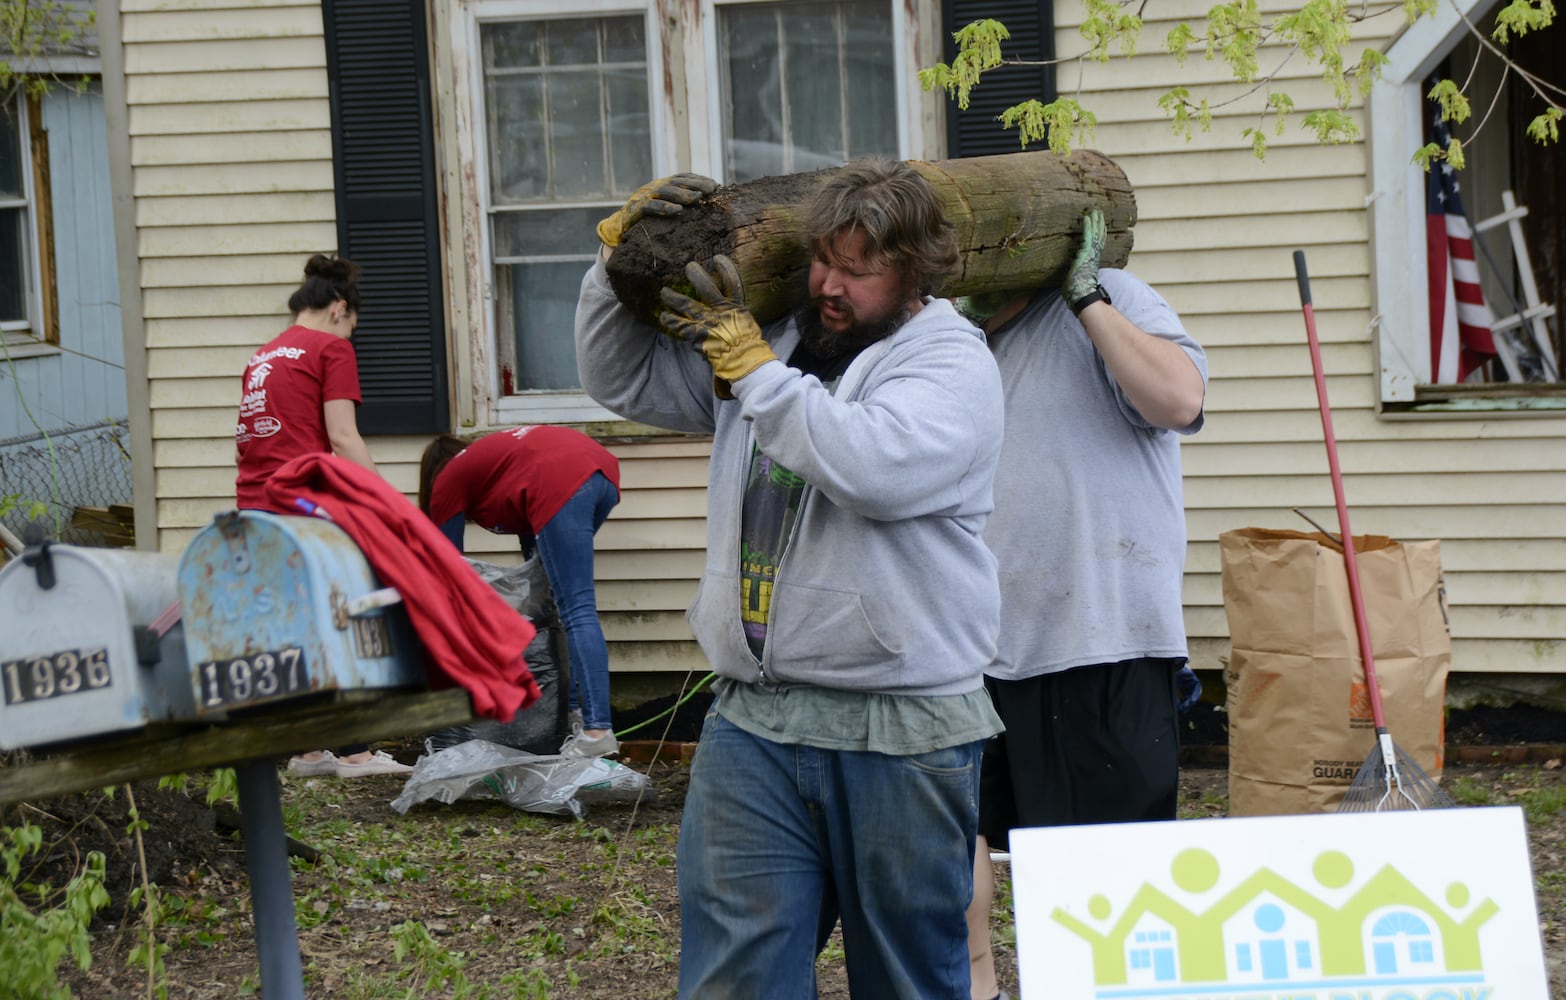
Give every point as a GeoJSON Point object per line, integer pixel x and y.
{"type": "Point", "coordinates": [513, 904]}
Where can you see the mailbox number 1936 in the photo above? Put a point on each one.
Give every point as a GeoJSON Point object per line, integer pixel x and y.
{"type": "Point", "coordinates": [69, 671]}
{"type": "Point", "coordinates": [253, 678]}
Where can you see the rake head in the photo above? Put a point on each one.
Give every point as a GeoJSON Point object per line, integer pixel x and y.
{"type": "Point", "coordinates": [1389, 780]}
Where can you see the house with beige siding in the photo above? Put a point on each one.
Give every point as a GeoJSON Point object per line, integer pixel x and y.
{"type": "Point", "coordinates": [463, 149]}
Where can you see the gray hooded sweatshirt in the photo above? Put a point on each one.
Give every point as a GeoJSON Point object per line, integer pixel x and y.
{"type": "Point", "coordinates": [886, 586]}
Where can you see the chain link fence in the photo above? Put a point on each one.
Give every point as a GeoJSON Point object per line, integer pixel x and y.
{"type": "Point", "coordinates": [71, 469]}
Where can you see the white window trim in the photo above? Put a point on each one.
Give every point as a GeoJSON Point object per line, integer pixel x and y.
{"type": "Point", "coordinates": [702, 63]}
{"type": "Point", "coordinates": [1397, 109]}
{"type": "Point", "coordinates": [25, 338]}
{"type": "Point", "coordinates": [545, 406]}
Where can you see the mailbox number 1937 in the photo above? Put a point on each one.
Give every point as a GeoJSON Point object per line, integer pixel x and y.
{"type": "Point", "coordinates": [253, 678]}
{"type": "Point", "coordinates": [69, 671]}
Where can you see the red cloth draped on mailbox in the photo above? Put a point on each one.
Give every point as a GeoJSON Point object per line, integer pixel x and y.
{"type": "Point", "coordinates": [474, 638]}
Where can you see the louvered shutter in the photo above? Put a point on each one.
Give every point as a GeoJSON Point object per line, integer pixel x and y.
{"type": "Point", "coordinates": [377, 60]}
{"type": "Point", "coordinates": [975, 132]}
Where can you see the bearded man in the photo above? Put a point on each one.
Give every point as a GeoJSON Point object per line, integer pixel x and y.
{"type": "Point", "coordinates": [848, 603]}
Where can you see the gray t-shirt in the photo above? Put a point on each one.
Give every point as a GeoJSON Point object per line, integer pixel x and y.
{"type": "Point", "coordinates": [1089, 521]}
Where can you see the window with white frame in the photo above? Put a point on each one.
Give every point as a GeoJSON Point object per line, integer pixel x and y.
{"type": "Point", "coordinates": [20, 318]}
{"type": "Point", "coordinates": [1505, 282]}
{"type": "Point", "coordinates": [574, 113]}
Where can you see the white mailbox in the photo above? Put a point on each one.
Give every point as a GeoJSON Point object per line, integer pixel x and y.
{"type": "Point", "coordinates": [82, 650]}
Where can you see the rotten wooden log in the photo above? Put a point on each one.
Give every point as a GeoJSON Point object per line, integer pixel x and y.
{"type": "Point", "coordinates": [1018, 219]}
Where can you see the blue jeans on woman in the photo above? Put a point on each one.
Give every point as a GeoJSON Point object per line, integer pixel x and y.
{"type": "Point", "coordinates": [779, 841]}
{"type": "Point", "coordinates": [565, 544]}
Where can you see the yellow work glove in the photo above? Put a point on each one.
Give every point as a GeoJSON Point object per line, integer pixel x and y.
{"type": "Point", "coordinates": [665, 196]}
{"type": "Point", "coordinates": [717, 320]}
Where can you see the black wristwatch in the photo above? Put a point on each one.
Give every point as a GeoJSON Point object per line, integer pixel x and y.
{"type": "Point", "coordinates": [1096, 295]}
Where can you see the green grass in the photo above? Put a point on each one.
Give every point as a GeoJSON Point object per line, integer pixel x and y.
{"type": "Point", "coordinates": [1469, 791]}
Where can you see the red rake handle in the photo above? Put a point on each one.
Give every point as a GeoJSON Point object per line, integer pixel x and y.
{"type": "Point", "coordinates": [1350, 560]}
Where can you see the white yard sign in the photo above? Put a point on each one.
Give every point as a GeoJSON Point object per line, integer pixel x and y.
{"type": "Point", "coordinates": [1434, 905]}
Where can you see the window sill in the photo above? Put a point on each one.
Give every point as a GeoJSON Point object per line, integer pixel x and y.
{"type": "Point", "coordinates": [27, 347]}
{"type": "Point", "coordinates": [1498, 399]}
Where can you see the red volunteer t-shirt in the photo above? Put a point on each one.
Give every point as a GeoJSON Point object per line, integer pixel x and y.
{"type": "Point", "coordinates": [513, 482]}
{"type": "Point", "coordinates": [286, 384]}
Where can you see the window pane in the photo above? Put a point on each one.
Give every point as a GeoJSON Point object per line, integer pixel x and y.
{"type": "Point", "coordinates": [13, 264]}
{"type": "Point", "coordinates": [518, 160]}
{"type": "Point", "coordinates": [788, 101]}
{"type": "Point", "coordinates": [872, 82]}
{"type": "Point", "coordinates": [10, 151]}
{"type": "Point", "coordinates": [509, 45]}
{"type": "Point", "coordinates": [571, 43]}
{"type": "Point", "coordinates": [814, 85]}
{"type": "Point", "coordinates": [755, 129]}
{"type": "Point", "coordinates": [576, 132]}
{"type": "Point", "coordinates": [548, 233]}
{"type": "Point", "coordinates": [630, 130]}
{"type": "Point", "coordinates": [541, 303]}
{"type": "Point", "coordinates": [624, 41]}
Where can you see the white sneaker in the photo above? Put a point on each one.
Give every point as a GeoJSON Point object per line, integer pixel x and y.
{"type": "Point", "coordinates": [325, 764]}
{"type": "Point", "coordinates": [379, 763]}
{"type": "Point", "coordinates": [578, 745]}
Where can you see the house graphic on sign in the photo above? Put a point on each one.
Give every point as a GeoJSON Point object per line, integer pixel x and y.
{"type": "Point", "coordinates": [1269, 931]}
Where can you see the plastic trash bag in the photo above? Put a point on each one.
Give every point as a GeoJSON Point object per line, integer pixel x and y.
{"type": "Point", "coordinates": [484, 771]}
{"type": "Point", "coordinates": [541, 727]}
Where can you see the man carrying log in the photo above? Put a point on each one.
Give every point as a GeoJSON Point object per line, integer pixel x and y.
{"type": "Point", "coordinates": [1100, 377]}
{"type": "Point", "coordinates": [848, 604]}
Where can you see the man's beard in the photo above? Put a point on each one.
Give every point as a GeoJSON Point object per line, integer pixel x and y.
{"type": "Point", "coordinates": [826, 344]}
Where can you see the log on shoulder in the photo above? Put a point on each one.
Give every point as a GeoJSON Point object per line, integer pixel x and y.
{"type": "Point", "coordinates": [1018, 219]}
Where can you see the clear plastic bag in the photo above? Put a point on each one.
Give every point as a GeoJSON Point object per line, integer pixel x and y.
{"type": "Point", "coordinates": [556, 785]}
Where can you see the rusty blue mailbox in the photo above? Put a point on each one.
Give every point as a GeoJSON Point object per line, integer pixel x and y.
{"type": "Point", "coordinates": [281, 607]}
{"type": "Point", "coordinates": [89, 645]}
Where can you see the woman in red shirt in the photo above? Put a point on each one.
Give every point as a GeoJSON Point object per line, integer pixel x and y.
{"type": "Point", "coordinates": [552, 486]}
{"type": "Point", "coordinates": [300, 396]}
{"type": "Point", "coordinates": [301, 391]}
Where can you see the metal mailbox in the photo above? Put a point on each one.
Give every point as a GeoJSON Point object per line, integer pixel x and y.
{"type": "Point", "coordinates": [280, 607]}
{"type": "Point", "coordinates": [88, 646]}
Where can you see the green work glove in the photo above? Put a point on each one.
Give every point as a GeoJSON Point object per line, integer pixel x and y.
{"type": "Point", "coordinates": [665, 196]}
{"type": "Point", "coordinates": [1082, 288]}
{"type": "Point", "coordinates": [718, 321]}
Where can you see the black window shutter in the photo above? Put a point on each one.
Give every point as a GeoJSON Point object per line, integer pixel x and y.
{"type": "Point", "coordinates": [976, 132]}
{"type": "Point", "coordinates": [377, 61]}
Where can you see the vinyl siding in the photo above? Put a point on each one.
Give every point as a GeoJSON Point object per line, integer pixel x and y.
{"type": "Point", "coordinates": [231, 158]}
{"type": "Point", "coordinates": [1215, 234]}
{"type": "Point", "coordinates": [232, 176]}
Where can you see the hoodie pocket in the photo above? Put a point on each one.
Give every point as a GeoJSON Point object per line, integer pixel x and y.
{"type": "Point", "coordinates": [826, 636]}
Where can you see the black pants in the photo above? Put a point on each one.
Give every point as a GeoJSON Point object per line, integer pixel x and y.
{"type": "Point", "coordinates": [1094, 744]}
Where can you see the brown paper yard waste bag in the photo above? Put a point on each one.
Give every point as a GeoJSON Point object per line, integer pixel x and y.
{"type": "Point", "coordinates": [1300, 723]}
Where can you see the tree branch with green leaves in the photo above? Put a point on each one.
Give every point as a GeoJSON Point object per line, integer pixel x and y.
{"type": "Point", "coordinates": [1238, 34]}
{"type": "Point", "coordinates": [31, 31]}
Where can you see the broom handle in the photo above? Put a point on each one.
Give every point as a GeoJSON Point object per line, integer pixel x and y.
{"type": "Point", "coordinates": [1350, 562]}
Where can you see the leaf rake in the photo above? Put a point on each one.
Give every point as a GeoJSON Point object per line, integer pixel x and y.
{"type": "Point", "coordinates": [1389, 779]}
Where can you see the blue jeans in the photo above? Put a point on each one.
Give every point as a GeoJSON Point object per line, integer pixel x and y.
{"type": "Point", "coordinates": [565, 544]}
{"type": "Point", "coordinates": [780, 841]}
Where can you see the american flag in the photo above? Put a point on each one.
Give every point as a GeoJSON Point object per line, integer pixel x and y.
{"type": "Point", "coordinates": [1460, 338]}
